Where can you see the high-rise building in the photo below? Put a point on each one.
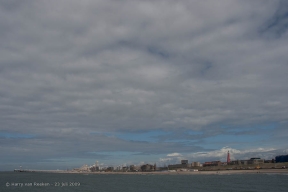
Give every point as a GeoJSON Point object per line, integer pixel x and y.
{"type": "Point", "coordinates": [281, 158]}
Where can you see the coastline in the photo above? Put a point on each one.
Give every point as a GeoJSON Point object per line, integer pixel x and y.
{"type": "Point", "coordinates": [214, 172]}
{"type": "Point", "coordinates": [220, 172]}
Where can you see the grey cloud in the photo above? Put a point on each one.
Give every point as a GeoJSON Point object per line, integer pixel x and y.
{"type": "Point", "coordinates": [68, 67]}
{"type": "Point", "coordinates": [277, 25]}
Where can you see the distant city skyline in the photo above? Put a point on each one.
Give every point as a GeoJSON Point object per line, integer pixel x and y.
{"type": "Point", "coordinates": [131, 82]}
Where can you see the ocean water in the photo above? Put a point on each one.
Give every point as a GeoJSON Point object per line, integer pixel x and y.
{"type": "Point", "coordinates": [13, 181]}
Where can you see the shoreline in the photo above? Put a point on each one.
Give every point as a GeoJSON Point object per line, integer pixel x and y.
{"type": "Point", "coordinates": [219, 172]}
{"type": "Point", "coordinates": [214, 172]}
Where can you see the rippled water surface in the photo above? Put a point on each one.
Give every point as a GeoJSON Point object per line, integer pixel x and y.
{"type": "Point", "coordinates": [13, 181]}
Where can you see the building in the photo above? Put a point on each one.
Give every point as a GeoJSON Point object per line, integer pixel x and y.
{"type": "Point", "coordinates": [269, 161]}
{"type": "Point", "coordinates": [109, 169]}
{"type": "Point", "coordinates": [256, 161]}
{"type": "Point", "coordinates": [95, 167]}
{"type": "Point", "coordinates": [133, 168]}
{"type": "Point", "coordinates": [239, 162]}
{"type": "Point", "coordinates": [251, 161]}
{"type": "Point", "coordinates": [179, 166]}
{"type": "Point", "coordinates": [195, 164]}
{"type": "Point", "coordinates": [84, 168]}
{"type": "Point", "coordinates": [212, 163]}
{"type": "Point", "coordinates": [184, 165]}
{"type": "Point", "coordinates": [184, 162]}
{"type": "Point", "coordinates": [281, 158]}
{"type": "Point", "coordinates": [148, 167]}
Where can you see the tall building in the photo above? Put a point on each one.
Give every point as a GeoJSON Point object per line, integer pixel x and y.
{"type": "Point", "coordinates": [228, 157]}
{"type": "Point", "coordinates": [281, 158]}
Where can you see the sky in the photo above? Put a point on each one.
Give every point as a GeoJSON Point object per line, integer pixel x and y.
{"type": "Point", "coordinates": [127, 82]}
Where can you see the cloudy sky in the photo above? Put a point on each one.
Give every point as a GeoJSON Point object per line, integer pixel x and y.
{"type": "Point", "coordinates": [141, 81]}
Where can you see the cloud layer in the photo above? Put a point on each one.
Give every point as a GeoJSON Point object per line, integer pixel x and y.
{"type": "Point", "coordinates": [195, 72]}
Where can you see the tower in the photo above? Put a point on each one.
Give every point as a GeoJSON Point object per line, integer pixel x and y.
{"type": "Point", "coordinates": [228, 157]}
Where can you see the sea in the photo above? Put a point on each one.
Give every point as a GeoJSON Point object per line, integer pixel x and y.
{"type": "Point", "coordinates": [38, 182]}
